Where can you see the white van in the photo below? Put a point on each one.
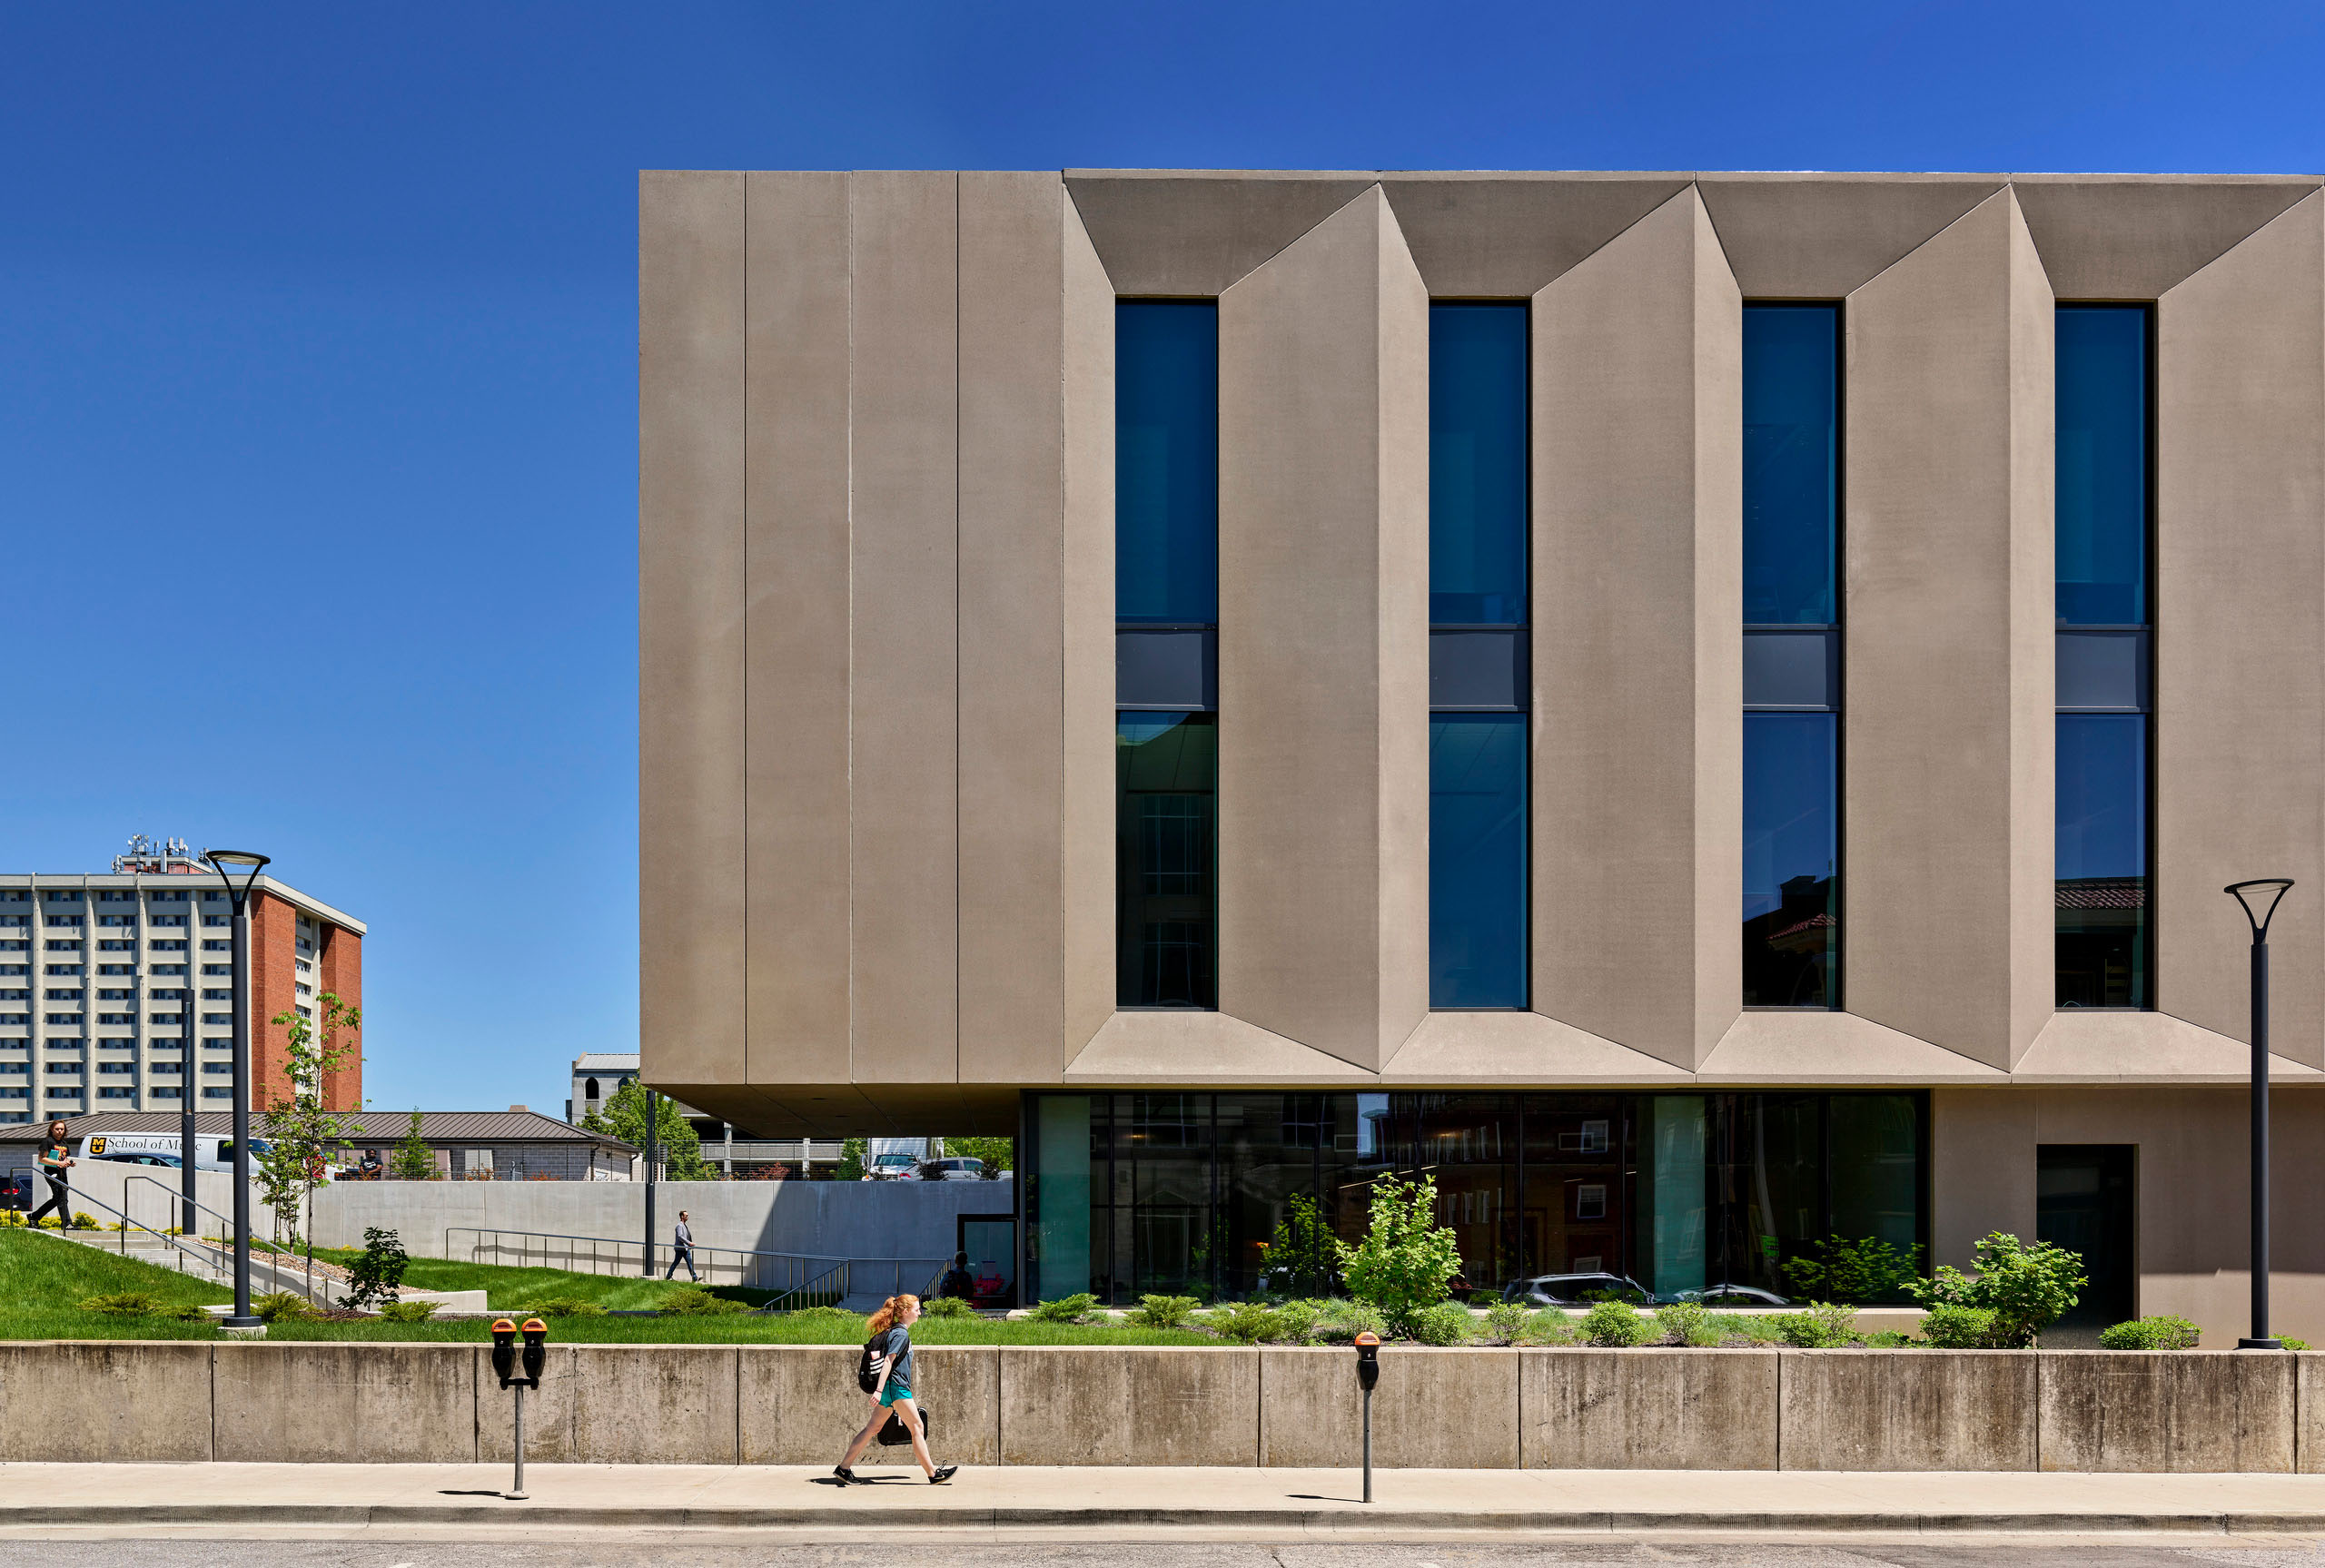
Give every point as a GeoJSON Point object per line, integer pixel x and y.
{"type": "Point", "coordinates": [210, 1153]}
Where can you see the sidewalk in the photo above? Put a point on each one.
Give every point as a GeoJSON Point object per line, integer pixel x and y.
{"type": "Point", "coordinates": [331, 1499]}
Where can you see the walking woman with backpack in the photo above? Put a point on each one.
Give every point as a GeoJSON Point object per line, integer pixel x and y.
{"type": "Point", "coordinates": [886, 1374]}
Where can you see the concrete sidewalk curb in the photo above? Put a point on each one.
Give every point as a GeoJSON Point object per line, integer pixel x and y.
{"type": "Point", "coordinates": [496, 1511]}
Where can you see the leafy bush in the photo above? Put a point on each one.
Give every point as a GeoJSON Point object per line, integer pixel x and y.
{"type": "Point", "coordinates": [574, 1306]}
{"type": "Point", "coordinates": [2151, 1334]}
{"type": "Point", "coordinates": [2289, 1343]}
{"type": "Point", "coordinates": [1484, 1298]}
{"type": "Point", "coordinates": [694, 1302]}
{"type": "Point", "coordinates": [1506, 1320]}
{"type": "Point", "coordinates": [283, 1307]}
{"type": "Point", "coordinates": [1704, 1335]}
{"type": "Point", "coordinates": [1164, 1311]}
{"type": "Point", "coordinates": [1247, 1322]}
{"type": "Point", "coordinates": [1549, 1327]}
{"type": "Point", "coordinates": [1298, 1319]}
{"type": "Point", "coordinates": [1823, 1326]}
{"type": "Point", "coordinates": [374, 1277]}
{"type": "Point", "coordinates": [1301, 1254]}
{"type": "Point", "coordinates": [1948, 1326]}
{"type": "Point", "coordinates": [946, 1307]}
{"type": "Point", "coordinates": [2026, 1286]}
{"type": "Point", "coordinates": [124, 1304]}
{"type": "Point", "coordinates": [1406, 1260]}
{"type": "Point", "coordinates": [1680, 1319]}
{"type": "Point", "coordinates": [84, 1222]}
{"type": "Point", "coordinates": [1074, 1308]}
{"type": "Point", "coordinates": [1867, 1269]}
{"type": "Point", "coordinates": [1342, 1321]}
{"type": "Point", "coordinates": [1752, 1328]}
{"type": "Point", "coordinates": [408, 1311]}
{"type": "Point", "coordinates": [1442, 1323]}
{"type": "Point", "coordinates": [1616, 1324]}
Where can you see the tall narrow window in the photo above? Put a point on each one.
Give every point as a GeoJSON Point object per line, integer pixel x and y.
{"type": "Point", "coordinates": [1480, 681]}
{"type": "Point", "coordinates": [1792, 687]}
{"type": "Point", "coordinates": [2105, 656]}
{"type": "Point", "coordinates": [1166, 614]}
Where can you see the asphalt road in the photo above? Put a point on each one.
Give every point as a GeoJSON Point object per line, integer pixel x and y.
{"type": "Point", "coordinates": [695, 1552]}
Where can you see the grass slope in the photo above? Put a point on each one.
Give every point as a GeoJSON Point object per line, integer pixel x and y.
{"type": "Point", "coordinates": [42, 1276]}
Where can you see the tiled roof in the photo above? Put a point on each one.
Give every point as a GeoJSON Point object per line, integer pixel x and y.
{"type": "Point", "coordinates": [2102, 893]}
{"type": "Point", "coordinates": [378, 1128]}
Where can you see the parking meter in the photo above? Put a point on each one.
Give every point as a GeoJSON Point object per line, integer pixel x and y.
{"type": "Point", "coordinates": [536, 1353]}
{"type": "Point", "coordinates": [1368, 1373]}
{"type": "Point", "coordinates": [507, 1359]}
{"type": "Point", "coordinates": [504, 1350]}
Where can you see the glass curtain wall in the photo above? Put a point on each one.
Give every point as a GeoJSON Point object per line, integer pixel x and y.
{"type": "Point", "coordinates": [1203, 1193]}
{"type": "Point", "coordinates": [2105, 655]}
{"type": "Point", "coordinates": [1166, 612]}
{"type": "Point", "coordinates": [1792, 688]}
{"type": "Point", "coordinates": [1480, 679]}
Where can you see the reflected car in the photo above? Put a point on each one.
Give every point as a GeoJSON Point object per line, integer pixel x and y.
{"type": "Point", "coordinates": [893, 1167]}
{"type": "Point", "coordinates": [1732, 1296]}
{"type": "Point", "coordinates": [1575, 1290]}
{"type": "Point", "coordinates": [952, 1170]}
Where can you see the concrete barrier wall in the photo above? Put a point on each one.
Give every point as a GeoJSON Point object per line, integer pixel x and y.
{"type": "Point", "coordinates": [1468, 1408]}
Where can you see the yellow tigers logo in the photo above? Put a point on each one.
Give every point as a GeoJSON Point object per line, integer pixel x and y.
{"type": "Point", "coordinates": [97, 1145]}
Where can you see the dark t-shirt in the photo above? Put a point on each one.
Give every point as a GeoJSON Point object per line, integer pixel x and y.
{"type": "Point", "coordinates": [896, 1345]}
{"type": "Point", "coordinates": [52, 1153]}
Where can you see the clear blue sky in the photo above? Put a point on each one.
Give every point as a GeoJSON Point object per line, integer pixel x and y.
{"type": "Point", "coordinates": [318, 481]}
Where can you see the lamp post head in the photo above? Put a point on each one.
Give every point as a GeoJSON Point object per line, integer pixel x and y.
{"type": "Point", "coordinates": [227, 862]}
{"type": "Point", "coordinates": [2258, 901]}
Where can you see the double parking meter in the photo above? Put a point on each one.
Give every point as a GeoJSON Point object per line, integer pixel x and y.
{"type": "Point", "coordinates": [519, 1369]}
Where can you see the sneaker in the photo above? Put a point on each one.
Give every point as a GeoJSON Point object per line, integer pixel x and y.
{"type": "Point", "coordinates": [847, 1477]}
{"type": "Point", "coordinates": [943, 1474]}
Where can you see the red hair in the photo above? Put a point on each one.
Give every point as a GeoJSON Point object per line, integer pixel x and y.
{"type": "Point", "coordinates": [890, 1310]}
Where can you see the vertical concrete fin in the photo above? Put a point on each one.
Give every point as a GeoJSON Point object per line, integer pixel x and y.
{"type": "Point", "coordinates": [691, 619]}
{"type": "Point", "coordinates": [2240, 596]}
{"type": "Point", "coordinates": [1013, 615]}
{"type": "Point", "coordinates": [904, 647]}
{"type": "Point", "coordinates": [1638, 646]}
{"type": "Point", "coordinates": [1946, 899]}
{"type": "Point", "coordinates": [1323, 615]}
{"type": "Point", "coordinates": [796, 676]}
{"type": "Point", "coordinates": [1087, 864]}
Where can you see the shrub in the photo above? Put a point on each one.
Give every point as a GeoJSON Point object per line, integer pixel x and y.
{"type": "Point", "coordinates": [1887, 1339]}
{"type": "Point", "coordinates": [1246, 1322]}
{"type": "Point", "coordinates": [1164, 1311]}
{"type": "Point", "coordinates": [1616, 1324]}
{"type": "Point", "coordinates": [1705, 1336]}
{"type": "Point", "coordinates": [1506, 1320]}
{"type": "Point", "coordinates": [1074, 1308]}
{"type": "Point", "coordinates": [1484, 1298]}
{"type": "Point", "coordinates": [124, 1304]}
{"type": "Point", "coordinates": [1301, 1254]}
{"type": "Point", "coordinates": [374, 1277]}
{"type": "Point", "coordinates": [1752, 1328]}
{"type": "Point", "coordinates": [1298, 1319]}
{"type": "Point", "coordinates": [1342, 1321]}
{"type": "Point", "coordinates": [573, 1306]}
{"type": "Point", "coordinates": [84, 1222]}
{"type": "Point", "coordinates": [283, 1307]}
{"type": "Point", "coordinates": [946, 1307]}
{"type": "Point", "coordinates": [838, 1315]}
{"type": "Point", "coordinates": [1681, 1318]}
{"type": "Point", "coordinates": [692, 1301]}
{"type": "Point", "coordinates": [1547, 1326]}
{"type": "Point", "coordinates": [2151, 1334]}
{"type": "Point", "coordinates": [1868, 1269]}
{"type": "Point", "coordinates": [1948, 1326]}
{"type": "Point", "coordinates": [408, 1311]}
{"type": "Point", "coordinates": [2025, 1286]}
{"type": "Point", "coordinates": [1823, 1326]}
{"type": "Point", "coordinates": [1442, 1323]}
{"type": "Point", "coordinates": [1406, 1259]}
{"type": "Point", "coordinates": [2289, 1343]}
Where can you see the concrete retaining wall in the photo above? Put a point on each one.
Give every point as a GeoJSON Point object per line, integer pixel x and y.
{"type": "Point", "coordinates": [1470, 1408]}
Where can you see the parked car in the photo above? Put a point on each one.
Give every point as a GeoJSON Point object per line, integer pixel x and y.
{"type": "Point", "coordinates": [1734, 1295]}
{"type": "Point", "coordinates": [1575, 1289]}
{"type": "Point", "coordinates": [893, 1167]}
{"type": "Point", "coordinates": [169, 1159]}
{"type": "Point", "coordinates": [952, 1169]}
{"type": "Point", "coordinates": [16, 1190]}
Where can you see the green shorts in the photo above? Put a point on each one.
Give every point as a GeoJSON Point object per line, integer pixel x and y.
{"type": "Point", "coordinates": [896, 1390]}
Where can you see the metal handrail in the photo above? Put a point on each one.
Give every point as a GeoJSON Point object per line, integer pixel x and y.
{"type": "Point", "coordinates": [126, 1225]}
{"type": "Point", "coordinates": [798, 1260]}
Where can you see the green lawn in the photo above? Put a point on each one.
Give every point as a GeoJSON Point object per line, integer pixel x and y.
{"type": "Point", "coordinates": [41, 1278]}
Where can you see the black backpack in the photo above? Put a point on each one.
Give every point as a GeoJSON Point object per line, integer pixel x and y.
{"type": "Point", "coordinates": [866, 1378]}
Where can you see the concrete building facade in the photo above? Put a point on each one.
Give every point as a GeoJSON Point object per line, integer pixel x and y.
{"type": "Point", "coordinates": [905, 441]}
{"type": "Point", "coordinates": [115, 989]}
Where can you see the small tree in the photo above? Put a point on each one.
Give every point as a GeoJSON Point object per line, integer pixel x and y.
{"type": "Point", "coordinates": [412, 1160]}
{"type": "Point", "coordinates": [303, 1132]}
{"type": "Point", "coordinates": [1303, 1250]}
{"type": "Point", "coordinates": [2027, 1287]}
{"type": "Point", "coordinates": [1406, 1259]}
{"type": "Point", "coordinates": [622, 1115]}
{"type": "Point", "coordinates": [853, 1153]}
{"type": "Point", "coordinates": [376, 1276]}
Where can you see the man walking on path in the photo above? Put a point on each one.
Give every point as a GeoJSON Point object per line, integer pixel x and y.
{"type": "Point", "coordinates": [682, 1250]}
{"type": "Point", "coordinates": [53, 1163]}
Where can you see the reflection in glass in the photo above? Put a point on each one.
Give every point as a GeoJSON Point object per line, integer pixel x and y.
{"type": "Point", "coordinates": [1477, 446]}
{"type": "Point", "coordinates": [2101, 858]}
{"type": "Point", "coordinates": [1166, 460]}
{"type": "Point", "coordinates": [1578, 1182]}
{"type": "Point", "coordinates": [1267, 1161]}
{"type": "Point", "coordinates": [1876, 1168]}
{"type": "Point", "coordinates": [1791, 463]}
{"type": "Point", "coordinates": [1791, 850]}
{"type": "Point", "coordinates": [1166, 771]}
{"type": "Point", "coordinates": [1672, 1203]}
{"type": "Point", "coordinates": [1770, 1175]}
{"type": "Point", "coordinates": [1469, 1143]}
{"type": "Point", "coordinates": [1057, 1220]}
{"type": "Point", "coordinates": [1477, 860]}
{"type": "Point", "coordinates": [2101, 497]}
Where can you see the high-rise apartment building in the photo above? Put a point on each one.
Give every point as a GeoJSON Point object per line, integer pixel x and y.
{"type": "Point", "coordinates": [116, 990]}
{"type": "Point", "coordinates": [1708, 714]}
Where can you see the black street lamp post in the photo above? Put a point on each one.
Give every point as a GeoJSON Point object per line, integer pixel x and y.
{"type": "Point", "coordinates": [227, 862]}
{"type": "Point", "coordinates": [2258, 901]}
